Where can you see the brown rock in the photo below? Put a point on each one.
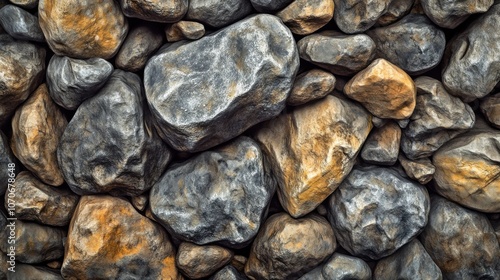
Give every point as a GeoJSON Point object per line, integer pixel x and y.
{"type": "Point", "coordinates": [139, 46]}
{"type": "Point", "coordinates": [140, 202]}
{"type": "Point", "coordinates": [490, 107]}
{"type": "Point", "coordinates": [382, 145]}
{"type": "Point", "coordinates": [201, 261]}
{"type": "Point", "coordinates": [307, 16]}
{"type": "Point", "coordinates": [311, 85]}
{"type": "Point", "coordinates": [395, 11]}
{"type": "Point", "coordinates": [184, 29]}
{"type": "Point", "coordinates": [384, 89]}
{"type": "Point", "coordinates": [37, 127]}
{"type": "Point", "coordinates": [421, 170]}
{"type": "Point", "coordinates": [239, 262]}
{"type": "Point", "coordinates": [155, 10]}
{"type": "Point", "coordinates": [27, 4]}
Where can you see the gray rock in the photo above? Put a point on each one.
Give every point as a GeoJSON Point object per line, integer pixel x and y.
{"type": "Point", "coordinates": [311, 85]}
{"type": "Point", "coordinates": [490, 107]}
{"type": "Point", "coordinates": [438, 117]}
{"type": "Point", "coordinates": [340, 267]}
{"type": "Point", "coordinates": [218, 13]}
{"type": "Point", "coordinates": [201, 99]}
{"type": "Point", "coordinates": [71, 81]}
{"type": "Point", "coordinates": [184, 29]}
{"type": "Point", "coordinates": [450, 14]}
{"type": "Point", "coordinates": [338, 53]}
{"type": "Point", "coordinates": [396, 10]}
{"type": "Point", "coordinates": [315, 274]}
{"type": "Point", "coordinates": [27, 4]}
{"type": "Point", "coordinates": [218, 196]}
{"type": "Point", "coordinates": [228, 273]}
{"type": "Point", "coordinates": [461, 242]}
{"type": "Point", "coordinates": [110, 145]}
{"type": "Point", "coordinates": [304, 17]}
{"type": "Point", "coordinates": [382, 145]}
{"type": "Point", "coordinates": [269, 6]}
{"type": "Point", "coordinates": [356, 16]}
{"type": "Point", "coordinates": [496, 227]}
{"type": "Point", "coordinates": [139, 46]}
{"type": "Point", "coordinates": [421, 170]}
{"type": "Point", "coordinates": [201, 261]}
{"type": "Point", "coordinates": [6, 158]}
{"type": "Point", "coordinates": [155, 10]}
{"type": "Point", "coordinates": [26, 271]}
{"type": "Point", "coordinates": [414, 44]}
{"type": "Point", "coordinates": [375, 211]}
{"type": "Point", "coordinates": [20, 24]}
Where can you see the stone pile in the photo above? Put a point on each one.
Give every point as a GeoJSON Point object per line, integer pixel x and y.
{"type": "Point", "coordinates": [250, 139]}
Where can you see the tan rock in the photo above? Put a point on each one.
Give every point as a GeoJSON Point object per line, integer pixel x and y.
{"type": "Point", "coordinates": [384, 89]}
{"type": "Point", "coordinates": [382, 145]}
{"type": "Point", "coordinates": [239, 262]}
{"type": "Point", "coordinates": [201, 261]}
{"type": "Point", "coordinates": [307, 16]}
{"type": "Point", "coordinates": [311, 85]}
{"type": "Point", "coordinates": [184, 29]}
{"type": "Point", "coordinates": [421, 170]}
{"type": "Point", "coordinates": [140, 202]}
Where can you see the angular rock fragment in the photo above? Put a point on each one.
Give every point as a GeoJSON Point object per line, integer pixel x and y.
{"type": "Point", "coordinates": [20, 24]}
{"type": "Point", "coordinates": [26, 271]}
{"type": "Point", "coordinates": [139, 46]}
{"type": "Point", "coordinates": [356, 16]}
{"type": "Point", "coordinates": [382, 145]}
{"type": "Point", "coordinates": [449, 14]}
{"type": "Point", "coordinates": [340, 267]}
{"type": "Point", "coordinates": [218, 13]}
{"type": "Point", "coordinates": [27, 4]}
{"type": "Point", "coordinates": [490, 107]}
{"type": "Point", "coordinates": [228, 273]}
{"type": "Point", "coordinates": [421, 170]}
{"type": "Point", "coordinates": [269, 6]}
{"type": "Point", "coordinates": [396, 10]}
{"type": "Point", "coordinates": [7, 160]}
{"type": "Point", "coordinates": [307, 16]}
{"type": "Point", "coordinates": [184, 29]}
{"type": "Point", "coordinates": [201, 261]}
{"type": "Point", "coordinates": [311, 85]}
{"type": "Point", "coordinates": [155, 10]}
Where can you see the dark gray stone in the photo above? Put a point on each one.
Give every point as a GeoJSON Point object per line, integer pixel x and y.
{"type": "Point", "coordinates": [6, 158]}
{"type": "Point", "coordinates": [139, 46]}
{"type": "Point", "coordinates": [218, 196]}
{"type": "Point", "coordinates": [201, 99]}
{"type": "Point", "coordinates": [218, 13]}
{"type": "Point", "coordinates": [155, 10]}
{"type": "Point", "coordinates": [490, 107]}
{"type": "Point", "coordinates": [356, 16]}
{"type": "Point", "coordinates": [396, 10]}
{"type": "Point", "coordinates": [340, 267]}
{"type": "Point", "coordinates": [228, 273]}
{"type": "Point", "coordinates": [71, 81]}
{"type": "Point", "coordinates": [267, 6]}
{"type": "Point", "coordinates": [20, 24]}
{"type": "Point", "coordinates": [110, 145]}
{"type": "Point", "coordinates": [311, 85]}
{"type": "Point", "coordinates": [27, 4]}
{"type": "Point", "coordinates": [382, 145]}
{"type": "Point", "coordinates": [375, 211]}
{"type": "Point", "coordinates": [450, 14]}
{"type": "Point", "coordinates": [26, 272]}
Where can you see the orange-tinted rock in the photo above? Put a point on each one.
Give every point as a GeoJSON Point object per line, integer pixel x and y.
{"type": "Point", "coordinates": [184, 29]}
{"type": "Point", "coordinates": [307, 16]}
{"type": "Point", "coordinates": [311, 85]}
{"type": "Point", "coordinates": [201, 261]}
{"type": "Point", "coordinates": [421, 170]}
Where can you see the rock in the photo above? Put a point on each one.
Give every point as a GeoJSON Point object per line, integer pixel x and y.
{"type": "Point", "coordinates": [311, 85]}
{"type": "Point", "coordinates": [285, 247]}
{"type": "Point", "coordinates": [219, 196]}
{"type": "Point", "coordinates": [312, 149]}
{"type": "Point", "coordinates": [26, 4]}
{"type": "Point", "coordinates": [218, 13]}
{"type": "Point", "coordinates": [239, 262]}
{"type": "Point", "coordinates": [104, 242]}
{"type": "Point", "coordinates": [269, 6]}
{"type": "Point", "coordinates": [384, 89]}
{"type": "Point", "coordinates": [375, 211]}
{"type": "Point", "coordinates": [490, 107]}
{"type": "Point", "coordinates": [471, 66]}
{"type": "Point", "coordinates": [140, 45]}
{"type": "Point", "coordinates": [37, 127]}
{"type": "Point", "coordinates": [155, 10]}
{"type": "Point", "coordinates": [496, 228]}
{"type": "Point", "coordinates": [451, 14]}
{"type": "Point", "coordinates": [438, 117]}
{"type": "Point", "coordinates": [356, 16]}
{"type": "Point", "coordinates": [22, 71]}
{"type": "Point", "coordinates": [20, 24]}
{"type": "Point", "coordinates": [382, 145]}
{"type": "Point", "coordinates": [395, 11]}
{"type": "Point", "coordinates": [421, 170]}
{"type": "Point", "coordinates": [26, 271]}
{"type": "Point", "coordinates": [414, 44]}
{"type": "Point", "coordinates": [307, 16]}
{"type": "Point", "coordinates": [212, 99]}
{"type": "Point", "coordinates": [7, 159]}
{"type": "Point", "coordinates": [201, 261]}
{"type": "Point", "coordinates": [83, 29]}
{"type": "Point", "coordinates": [338, 53]}
{"type": "Point", "coordinates": [315, 274]}
{"type": "Point", "coordinates": [228, 273]}
{"type": "Point", "coordinates": [71, 81]}
{"type": "Point", "coordinates": [465, 248]}
{"type": "Point", "coordinates": [140, 202]}
{"type": "Point", "coordinates": [184, 29]}
{"type": "Point", "coordinates": [340, 267]}
{"type": "Point", "coordinates": [409, 262]}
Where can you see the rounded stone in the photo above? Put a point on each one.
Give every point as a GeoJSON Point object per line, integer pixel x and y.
{"type": "Point", "coordinates": [155, 10]}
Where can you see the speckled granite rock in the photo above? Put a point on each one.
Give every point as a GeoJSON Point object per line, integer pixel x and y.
{"type": "Point", "coordinates": [218, 13]}
{"type": "Point", "coordinates": [155, 10]}
{"type": "Point", "coordinates": [20, 24]}
{"type": "Point", "coordinates": [201, 261]}
{"type": "Point", "coordinates": [449, 14]}
{"type": "Point", "coordinates": [382, 145]}
{"type": "Point", "coordinates": [307, 16]}
{"type": "Point", "coordinates": [311, 85]}
{"type": "Point", "coordinates": [139, 46]}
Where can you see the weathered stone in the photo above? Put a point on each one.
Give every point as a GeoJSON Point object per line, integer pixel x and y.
{"type": "Point", "coordinates": [414, 44]}
{"type": "Point", "coordinates": [201, 100]}
{"type": "Point", "coordinates": [71, 81]}
{"type": "Point", "coordinates": [461, 242]}
{"type": "Point", "coordinates": [471, 65]}
{"type": "Point", "coordinates": [311, 85]}
{"type": "Point", "coordinates": [409, 262]}
{"type": "Point", "coordinates": [228, 273]}
{"type": "Point", "coordinates": [83, 29]}
{"type": "Point", "coordinates": [104, 242]}
{"type": "Point", "coordinates": [307, 16]}
{"type": "Point", "coordinates": [155, 10]}
{"type": "Point", "coordinates": [184, 30]}
{"type": "Point", "coordinates": [264, 6]}
{"type": "Point", "coordinates": [450, 14]}
{"type": "Point", "coordinates": [9, 163]}
{"type": "Point", "coordinates": [201, 261]}
{"type": "Point", "coordinates": [375, 211]}
{"type": "Point", "coordinates": [338, 53]}
{"type": "Point", "coordinates": [27, 4]}
{"type": "Point", "coordinates": [26, 271]}
{"type": "Point", "coordinates": [496, 227]}
{"type": "Point", "coordinates": [218, 196]}
{"type": "Point", "coordinates": [285, 247]}
{"type": "Point", "coordinates": [395, 11]}
{"type": "Point", "coordinates": [382, 145]}
{"type": "Point", "coordinates": [140, 202]}
{"type": "Point", "coordinates": [110, 144]}
{"type": "Point", "coordinates": [340, 267]}
{"type": "Point", "coordinates": [384, 89]}
{"type": "Point", "coordinates": [355, 16]}
{"type": "Point", "coordinates": [218, 13]}
{"type": "Point", "coordinates": [438, 117]}
{"type": "Point", "coordinates": [421, 170]}
{"type": "Point", "coordinates": [20, 24]}
{"type": "Point", "coordinates": [239, 262]}
{"type": "Point", "coordinates": [37, 127]}
{"type": "Point", "coordinates": [312, 149]}
{"type": "Point", "coordinates": [490, 107]}
{"type": "Point", "coordinates": [141, 43]}
{"type": "Point", "coordinates": [22, 68]}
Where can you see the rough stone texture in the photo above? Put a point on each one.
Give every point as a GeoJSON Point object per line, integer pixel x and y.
{"type": "Point", "coordinates": [496, 227]}
{"type": "Point", "coordinates": [20, 24]}
{"type": "Point", "coordinates": [338, 53]}
{"type": "Point", "coordinates": [269, 5]}
{"type": "Point", "coordinates": [285, 247]}
{"type": "Point", "coordinates": [466, 248]}
{"type": "Point", "coordinates": [140, 45]}
{"type": "Point", "coordinates": [375, 211]}
{"type": "Point", "coordinates": [6, 157]}
{"type": "Point", "coordinates": [414, 44]}
{"type": "Point", "coordinates": [104, 242]}
{"type": "Point", "coordinates": [201, 99]}
{"type": "Point", "coordinates": [27, 4]}
{"type": "Point", "coordinates": [218, 13]}
{"type": "Point", "coordinates": [355, 16]}
{"type": "Point", "coordinates": [311, 85]}
{"type": "Point", "coordinates": [22, 68]}
{"type": "Point", "coordinates": [112, 133]}
{"type": "Point", "coordinates": [312, 149]}
{"type": "Point", "coordinates": [139, 202]}
{"type": "Point", "coordinates": [26, 272]}
{"type": "Point", "coordinates": [201, 261]}
{"type": "Point", "coordinates": [409, 262]}
{"type": "Point", "coordinates": [307, 16]}
{"type": "Point", "coordinates": [340, 267]}
{"type": "Point", "coordinates": [384, 89]}
{"type": "Point", "coordinates": [184, 29]}
{"type": "Point", "coordinates": [71, 81]}
{"type": "Point", "coordinates": [382, 145]}
{"type": "Point", "coordinates": [84, 28]}
{"type": "Point", "coordinates": [37, 127]}
{"type": "Point", "coordinates": [239, 262]}
{"type": "Point", "coordinates": [155, 10]}
{"type": "Point", "coordinates": [490, 107]}
{"type": "Point", "coordinates": [438, 117]}
{"type": "Point", "coordinates": [471, 66]}
{"type": "Point", "coordinates": [450, 14]}
{"type": "Point", "coordinates": [396, 10]}
{"type": "Point", "coordinates": [228, 273]}
{"type": "Point", "coordinates": [218, 196]}
{"type": "Point", "coordinates": [421, 170]}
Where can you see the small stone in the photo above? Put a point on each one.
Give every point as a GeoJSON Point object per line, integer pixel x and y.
{"type": "Point", "coordinates": [141, 43]}
{"type": "Point", "coordinates": [311, 85]}
{"type": "Point", "coordinates": [184, 29]}
{"type": "Point", "coordinates": [396, 10]}
{"type": "Point", "coordinates": [71, 81]}
{"type": "Point", "coordinates": [37, 127]}
{"type": "Point", "coordinates": [269, 6]}
{"type": "Point", "coordinates": [54, 264]}
{"type": "Point", "coordinates": [421, 170]}
{"type": "Point", "coordinates": [27, 4]}
{"type": "Point", "coordinates": [155, 10]}
{"type": "Point", "coordinates": [239, 262]}
{"type": "Point", "coordinates": [201, 261]}
{"type": "Point", "coordinates": [218, 13]}
{"type": "Point", "coordinates": [340, 267]}
{"type": "Point", "coordinates": [382, 145]}
{"type": "Point", "coordinates": [375, 211]}
{"type": "Point", "coordinates": [356, 16]}
{"type": "Point", "coordinates": [84, 28]}
{"type": "Point", "coordinates": [312, 149]}
{"type": "Point", "coordinates": [228, 273]}
{"type": "Point", "coordinates": [307, 16]}
{"type": "Point", "coordinates": [403, 123]}
{"type": "Point", "coordinates": [378, 122]}
{"type": "Point", "coordinates": [20, 24]}
{"type": "Point", "coordinates": [9, 163]}
{"type": "Point", "coordinates": [286, 248]}
{"type": "Point", "coordinates": [26, 271]}
{"type": "Point", "coordinates": [450, 14]}
{"type": "Point", "coordinates": [140, 202]}
{"type": "Point", "coordinates": [490, 107]}
{"type": "Point", "coordinates": [461, 242]}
